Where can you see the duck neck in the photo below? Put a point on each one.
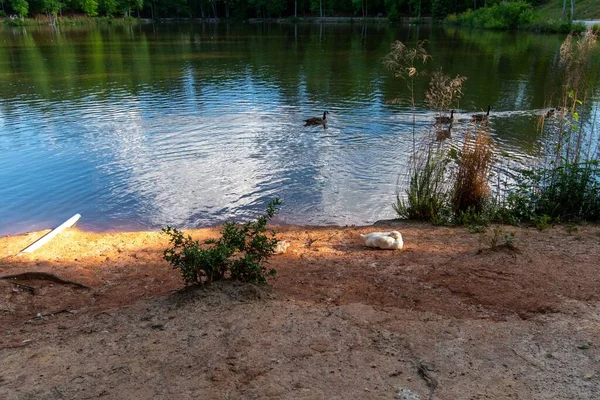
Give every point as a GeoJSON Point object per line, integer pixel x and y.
{"type": "Point", "coordinates": [324, 115]}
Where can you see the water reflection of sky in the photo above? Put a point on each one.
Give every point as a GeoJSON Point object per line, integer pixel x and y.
{"type": "Point", "coordinates": [206, 143]}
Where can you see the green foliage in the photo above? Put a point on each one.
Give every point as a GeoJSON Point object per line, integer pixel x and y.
{"type": "Point", "coordinates": [89, 7]}
{"type": "Point", "coordinates": [426, 196]}
{"type": "Point", "coordinates": [500, 16]}
{"type": "Point", "coordinates": [571, 229]}
{"type": "Point", "coordinates": [394, 15]}
{"type": "Point", "coordinates": [51, 7]}
{"type": "Point", "coordinates": [108, 7]}
{"type": "Point", "coordinates": [440, 9]}
{"type": "Point", "coordinates": [542, 222]}
{"type": "Point", "coordinates": [566, 193]}
{"type": "Point", "coordinates": [476, 228]}
{"type": "Point", "coordinates": [513, 15]}
{"type": "Point", "coordinates": [240, 253]}
{"type": "Point", "coordinates": [21, 7]}
{"type": "Point", "coordinates": [499, 239]}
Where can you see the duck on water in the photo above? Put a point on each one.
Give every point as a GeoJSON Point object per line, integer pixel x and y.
{"type": "Point", "coordinates": [317, 120]}
{"type": "Point", "coordinates": [481, 117]}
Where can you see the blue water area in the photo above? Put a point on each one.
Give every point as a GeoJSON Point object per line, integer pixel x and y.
{"type": "Point", "coordinates": [191, 125]}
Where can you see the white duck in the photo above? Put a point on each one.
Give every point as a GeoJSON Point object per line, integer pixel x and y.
{"type": "Point", "coordinates": [384, 240]}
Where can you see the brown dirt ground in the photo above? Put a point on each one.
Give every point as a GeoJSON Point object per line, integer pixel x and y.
{"type": "Point", "coordinates": [445, 318]}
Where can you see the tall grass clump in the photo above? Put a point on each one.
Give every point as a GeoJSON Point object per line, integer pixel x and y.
{"type": "Point", "coordinates": [471, 184]}
{"type": "Point", "coordinates": [426, 197]}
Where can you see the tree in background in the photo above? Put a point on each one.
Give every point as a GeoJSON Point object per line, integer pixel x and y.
{"type": "Point", "coordinates": [441, 8]}
{"type": "Point", "coordinates": [21, 7]}
{"type": "Point", "coordinates": [89, 7]}
{"type": "Point", "coordinates": [108, 7]}
{"type": "Point", "coordinates": [51, 8]}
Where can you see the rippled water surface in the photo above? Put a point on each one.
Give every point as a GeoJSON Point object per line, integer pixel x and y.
{"type": "Point", "coordinates": [191, 125]}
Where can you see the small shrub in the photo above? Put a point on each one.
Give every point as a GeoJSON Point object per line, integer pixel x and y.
{"type": "Point", "coordinates": [567, 193]}
{"type": "Point", "coordinates": [452, 19]}
{"type": "Point", "coordinates": [239, 254]}
{"type": "Point", "coordinates": [501, 16]}
{"type": "Point", "coordinates": [571, 229]}
{"type": "Point", "coordinates": [476, 228]}
{"type": "Point", "coordinates": [500, 239]}
{"type": "Point", "coordinates": [542, 222]}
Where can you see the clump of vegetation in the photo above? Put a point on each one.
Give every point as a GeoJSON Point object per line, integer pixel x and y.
{"type": "Point", "coordinates": [500, 239]}
{"type": "Point", "coordinates": [564, 187]}
{"type": "Point", "coordinates": [500, 16]}
{"type": "Point", "coordinates": [566, 193]}
{"type": "Point", "coordinates": [542, 222]}
{"type": "Point", "coordinates": [240, 254]}
{"type": "Point", "coordinates": [471, 184]}
{"type": "Point", "coordinates": [512, 15]}
{"type": "Point", "coordinates": [426, 197]}
{"type": "Point", "coordinates": [567, 186]}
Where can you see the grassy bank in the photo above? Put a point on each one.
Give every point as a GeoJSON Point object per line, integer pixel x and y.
{"type": "Point", "coordinates": [514, 15]}
{"type": "Point", "coordinates": [584, 10]}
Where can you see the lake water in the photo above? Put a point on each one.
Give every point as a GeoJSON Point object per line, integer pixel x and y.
{"type": "Point", "coordinates": [191, 125]}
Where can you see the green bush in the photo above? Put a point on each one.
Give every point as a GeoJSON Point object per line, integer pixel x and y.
{"type": "Point", "coordinates": [566, 193]}
{"type": "Point", "coordinates": [499, 16]}
{"type": "Point", "coordinates": [240, 253]}
{"type": "Point", "coordinates": [452, 19]}
{"type": "Point", "coordinates": [394, 15]}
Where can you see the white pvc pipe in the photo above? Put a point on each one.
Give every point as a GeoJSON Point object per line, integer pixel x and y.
{"type": "Point", "coordinates": [48, 237]}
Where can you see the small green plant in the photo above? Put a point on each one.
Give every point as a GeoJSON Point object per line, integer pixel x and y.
{"type": "Point", "coordinates": [598, 234]}
{"type": "Point", "coordinates": [571, 229]}
{"type": "Point", "coordinates": [476, 228]}
{"type": "Point", "coordinates": [500, 239]}
{"type": "Point", "coordinates": [240, 253]}
{"type": "Point", "coordinates": [542, 222]}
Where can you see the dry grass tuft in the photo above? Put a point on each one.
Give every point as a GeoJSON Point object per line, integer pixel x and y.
{"type": "Point", "coordinates": [444, 91]}
{"type": "Point", "coordinates": [471, 187]}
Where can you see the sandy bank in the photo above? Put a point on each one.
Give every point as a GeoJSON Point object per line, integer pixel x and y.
{"type": "Point", "coordinates": [447, 316]}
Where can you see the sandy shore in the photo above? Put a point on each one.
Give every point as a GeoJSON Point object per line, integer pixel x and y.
{"type": "Point", "coordinates": [446, 318]}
